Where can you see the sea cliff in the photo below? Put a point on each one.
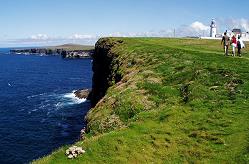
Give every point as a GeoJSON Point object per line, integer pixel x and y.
{"type": "Point", "coordinates": [106, 68]}
{"type": "Point", "coordinates": [66, 51]}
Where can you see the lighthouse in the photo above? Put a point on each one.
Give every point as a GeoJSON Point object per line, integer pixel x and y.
{"type": "Point", "coordinates": [213, 29]}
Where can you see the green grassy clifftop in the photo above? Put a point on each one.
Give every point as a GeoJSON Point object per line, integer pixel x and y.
{"type": "Point", "coordinates": [165, 101]}
{"type": "Point", "coordinates": [71, 47]}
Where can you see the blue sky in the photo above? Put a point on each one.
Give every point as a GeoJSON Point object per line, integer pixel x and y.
{"type": "Point", "coordinates": [34, 22]}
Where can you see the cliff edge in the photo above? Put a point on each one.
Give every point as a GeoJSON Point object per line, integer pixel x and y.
{"type": "Point", "coordinates": [106, 71]}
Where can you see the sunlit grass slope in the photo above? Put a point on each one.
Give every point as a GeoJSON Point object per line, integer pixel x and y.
{"type": "Point", "coordinates": [180, 100]}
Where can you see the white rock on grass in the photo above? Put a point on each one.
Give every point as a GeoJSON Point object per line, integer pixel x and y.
{"type": "Point", "coordinates": [70, 156]}
{"type": "Point", "coordinates": [74, 151]}
{"type": "Point", "coordinates": [74, 155]}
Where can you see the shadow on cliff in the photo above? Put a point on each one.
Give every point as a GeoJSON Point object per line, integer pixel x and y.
{"type": "Point", "coordinates": [105, 68]}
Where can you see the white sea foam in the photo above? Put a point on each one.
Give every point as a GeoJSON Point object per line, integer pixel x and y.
{"type": "Point", "coordinates": [73, 99]}
{"type": "Point", "coordinates": [37, 95]}
{"type": "Point", "coordinates": [76, 78]}
{"type": "Point", "coordinates": [44, 105]}
{"type": "Point", "coordinates": [67, 100]}
{"type": "Point", "coordinates": [34, 110]}
{"type": "Point", "coordinates": [51, 102]}
{"type": "Point", "coordinates": [43, 120]}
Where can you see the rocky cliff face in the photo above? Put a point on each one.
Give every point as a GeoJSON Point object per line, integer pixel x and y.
{"type": "Point", "coordinates": [47, 51]}
{"type": "Point", "coordinates": [106, 68]}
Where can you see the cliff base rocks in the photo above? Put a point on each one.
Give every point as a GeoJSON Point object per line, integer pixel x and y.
{"type": "Point", "coordinates": [83, 94]}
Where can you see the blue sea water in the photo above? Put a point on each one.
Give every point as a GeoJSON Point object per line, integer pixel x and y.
{"type": "Point", "coordinates": [38, 110]}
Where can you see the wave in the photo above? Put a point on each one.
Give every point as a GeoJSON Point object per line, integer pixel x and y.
{"type": "Point", "coordinates": [76, 78]}
{"type": "Point", "coordinates": [36, 95]}
{"type": "Point", "coordinates": [51, 102]}
{"type": "Point", "coordinates": [73, 98]}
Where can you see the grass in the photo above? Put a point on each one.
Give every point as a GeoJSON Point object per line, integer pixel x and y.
{"type": "Point", "coordinates": [179, 101]}
{"type": "Point", "coordinates": [71, 47]}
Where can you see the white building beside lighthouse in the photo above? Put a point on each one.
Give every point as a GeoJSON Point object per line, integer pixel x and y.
{"type": "Point", "coordinates": [213, 29]}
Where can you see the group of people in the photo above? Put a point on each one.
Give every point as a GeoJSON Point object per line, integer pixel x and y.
{"type": "Point", "coordinates": [234, 42]}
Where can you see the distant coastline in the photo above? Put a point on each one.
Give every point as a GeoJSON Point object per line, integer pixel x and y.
{"type": "Point", "coordinates": [66, 51]}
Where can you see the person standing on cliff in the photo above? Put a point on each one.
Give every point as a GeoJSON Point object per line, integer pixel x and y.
{"type": "Point", "coordinates": [225, 40]}
{"type": "Point", "coordinates": [240, 45]}
{"type": "Point", "coordinates": [234, 44]}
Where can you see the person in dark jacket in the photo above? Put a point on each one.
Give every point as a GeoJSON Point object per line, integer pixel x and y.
{"type": "Point", "coordinates": [225, 40]}
{"type": "Point", "coordinates": [240, 45]}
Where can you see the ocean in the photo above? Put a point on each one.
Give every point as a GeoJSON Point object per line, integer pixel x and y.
{"type": "Point", "coordinates": [38, 110]}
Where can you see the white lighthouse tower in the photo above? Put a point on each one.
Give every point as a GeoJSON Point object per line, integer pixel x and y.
{"type": "Point", "coordinates": [213, 29]}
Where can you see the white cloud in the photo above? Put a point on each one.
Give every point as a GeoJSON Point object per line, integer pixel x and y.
{"type": "Point", "coordinates": [229, 24]}
{"type": "Point", "coordinates": [244, 24]}
{"type": "Point", "coordinates": [39, 37]}
{"type": "Point", "coordinates": [195, 29]}
{"type": "Point", "coordinates": [160, 33]}
{"type": "Point", "coordinates": [81, 36]}
{"type": "Point", "coordinates": [198, 26]}
{"type": "Point", "coordinates": [118, 34]}
{"type": "Point", "coordinates": [44, 39]}
{"type": "Point", "coordinates": [239, 23]}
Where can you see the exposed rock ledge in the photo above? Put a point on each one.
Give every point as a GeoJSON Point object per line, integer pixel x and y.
{"type": "Point", "coordinates": [83, 94]}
